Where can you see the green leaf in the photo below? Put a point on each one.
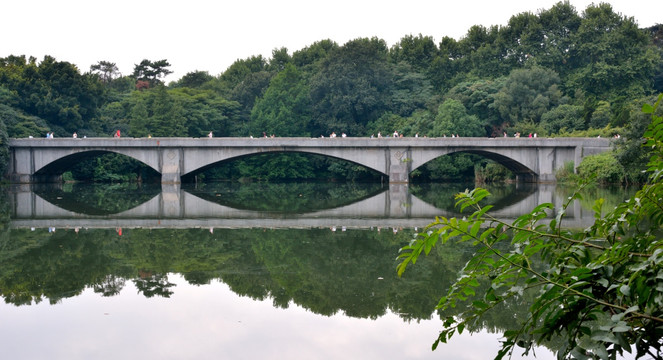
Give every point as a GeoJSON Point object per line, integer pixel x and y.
{"type": "Point", "coordinates": [625, 289]}
{"type": "Point", "coordinates": [480, 305]}
{"type": "Point", "coordinates": [647, 109]}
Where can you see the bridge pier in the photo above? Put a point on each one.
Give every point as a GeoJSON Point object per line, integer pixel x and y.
{"type": "Point", "coordinates": [399, 165]}
{"type": "Point", "coordinates": [170, 165]}
{"type": "Point", "coordinates": [529, 178]}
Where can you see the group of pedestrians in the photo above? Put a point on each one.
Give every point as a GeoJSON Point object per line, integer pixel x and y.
{"type": "Point", "coordinates": [333, 135]}
{"type": "Point", "coordinates": [394, 135]}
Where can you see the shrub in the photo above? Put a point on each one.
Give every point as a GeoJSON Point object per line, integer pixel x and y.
{"type": "Point", "coordinates": [566, 173]}
{"type": "Point", "coordinates": [604, 166]}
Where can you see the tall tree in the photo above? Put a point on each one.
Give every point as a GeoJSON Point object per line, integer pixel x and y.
{"type": "Point", "coordinates": [54, 91]}
{"type": "Point", "coordinates": [285, 109]}
{"type": "Point", "coordinates": [106, 70]}
{"type": "Point", "coordinates": [155, 112]}
{"type": "Point", "coordinates": [478, 98]}
{"type": "Point", "coordinates": [194, 79]}
{"type": "Point", "coordinates": [452, 119]}
{"type": "Point", "coordinates": [527, 94]}
{"type": "Point", "coordinates": [417, 51]}
{"type": "Point", "coordinates": [352, 87]}
{"type": "Point", "coordinates": [558, 25]}
{"type": "Point", "coordinates": [152, 71]}
{"type": "Point", "coordinates": [280, 58]}
{"type": "Point", "coordinates": [314, 53]}
{"type": "Point", "coordinates": [612, 58]}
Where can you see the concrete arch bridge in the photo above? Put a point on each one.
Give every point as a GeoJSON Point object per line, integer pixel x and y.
{"type": "Point", "coordinates": [530, 159]}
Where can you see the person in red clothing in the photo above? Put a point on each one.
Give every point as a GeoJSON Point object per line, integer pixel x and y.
{"type": "Point", "coordinates": [117, 134]}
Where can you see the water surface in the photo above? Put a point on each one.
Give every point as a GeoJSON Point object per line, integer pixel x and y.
{"type": "Point", "coordinates": [82, 276]}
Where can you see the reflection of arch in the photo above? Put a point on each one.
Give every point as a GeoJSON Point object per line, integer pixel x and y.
{"type": "Point", "coordinates": [278, 198]}
{"type": "Point", "coordinates": [441, 195]}
{"type": "Point", "coordinates": [112, 199]}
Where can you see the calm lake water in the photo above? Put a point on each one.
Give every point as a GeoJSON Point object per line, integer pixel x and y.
{"type": "Point", "coordinates": [247, 271]}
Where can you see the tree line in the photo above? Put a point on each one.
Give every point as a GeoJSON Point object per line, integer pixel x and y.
{"type": "Point", "coordinates": [554, 73]}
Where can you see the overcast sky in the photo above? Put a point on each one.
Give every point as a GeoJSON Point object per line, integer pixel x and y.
{"type": "Point", "coordinates": [210, 35]}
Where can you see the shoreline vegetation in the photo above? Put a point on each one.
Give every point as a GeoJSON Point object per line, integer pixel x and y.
{"type": "Point", "coordinates": [596, 290]}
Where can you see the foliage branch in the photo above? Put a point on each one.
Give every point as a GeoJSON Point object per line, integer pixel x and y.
{"type": "Point", "coordinates": [600, 290]}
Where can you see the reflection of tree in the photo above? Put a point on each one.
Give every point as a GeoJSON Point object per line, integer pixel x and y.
{"type": "Point", "coordinates": [111, 285]}
{"type": "Point", "coordinates": [53, 266]}
{"type": "Point", "coordinates": [154, 284]}
{"type": "Point", "coordinates": [350, 272]}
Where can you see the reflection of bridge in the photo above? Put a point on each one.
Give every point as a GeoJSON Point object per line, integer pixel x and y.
{"type": "Point", "coordinates": [175, 208]}
{"type": "Point", "coordinates": [530, 159]}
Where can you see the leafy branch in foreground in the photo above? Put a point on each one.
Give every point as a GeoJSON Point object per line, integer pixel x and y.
{"type": "Point", "coordinates": [598, 290]}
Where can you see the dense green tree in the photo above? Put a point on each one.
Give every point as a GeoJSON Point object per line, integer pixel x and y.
{"type": "Point", "coordinates": [285, 109]}
{"type": "Point", "coordinates": [602, 168]}
{"type": "Point", "coordinates": [280, 58]}
{"type": "Point", "coordinates": [485, 52]}
{"type": "Point", "coordinates": [563, 118]}
{"type": "Point", "coordinates": [237, 72]}
{"type": "Point", "coordinates": [478, 99]}
{"type": "Point", "coordinates": [457, 167]}
{"type": "Point", "coordinates": [20, 125]}
{"type": "Point", "coordinates": [419, 51]}
{"type": "Point", "coordinates": [630, 152]}
{"type": "Point", "coordinates": [448, 68]}
{"type": "Point", "coordinates": [194, 79]}
{"type": "Point", "coordinates": [54, 91]}
{"type": "Point", "coordinates": [204, 111]}
{"type": "Point", "coordinates": [352, 88]}
{"type": "Point", "coordinates": [4, 146]}
{"type": "Point", "coordinates": [106, 70]}
{"type": "Point", "coordinates": [155, 112]}
{"type": "Point", "coordinates": [611, 57]}
{"type": "Point", "coordinates": [527, 94]}
{"type": "Point", "coordinates": [247, 93]}
{"type": "Point", "coordinates": [656, 34]}
{"type": "Point", "coordinates": [558, 24]}
{"type": "Point", "coordinates": [152, 71]}
{"type": "Point", "coordinates": [523, 36]}
{"type": "Point", "coordinates": [452, 119]}
{"type": "Point", "coordinates": [601, 116]}
{"type": "Point", "coordinates": [412, 90]}
{"type": "Point", "coordinates": [387, 124]}
{"type": "Point", "coordinates": [314, 53]}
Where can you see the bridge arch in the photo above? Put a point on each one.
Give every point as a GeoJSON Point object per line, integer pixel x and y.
{"type": "Point", "coordinates": [211, 162]}
{"type": "Point", "coordinates": [520, 170]}
{"type": "Point", "coordinates": [55, 167]}
{"type": "Point", "coordinates": [50, 166]}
